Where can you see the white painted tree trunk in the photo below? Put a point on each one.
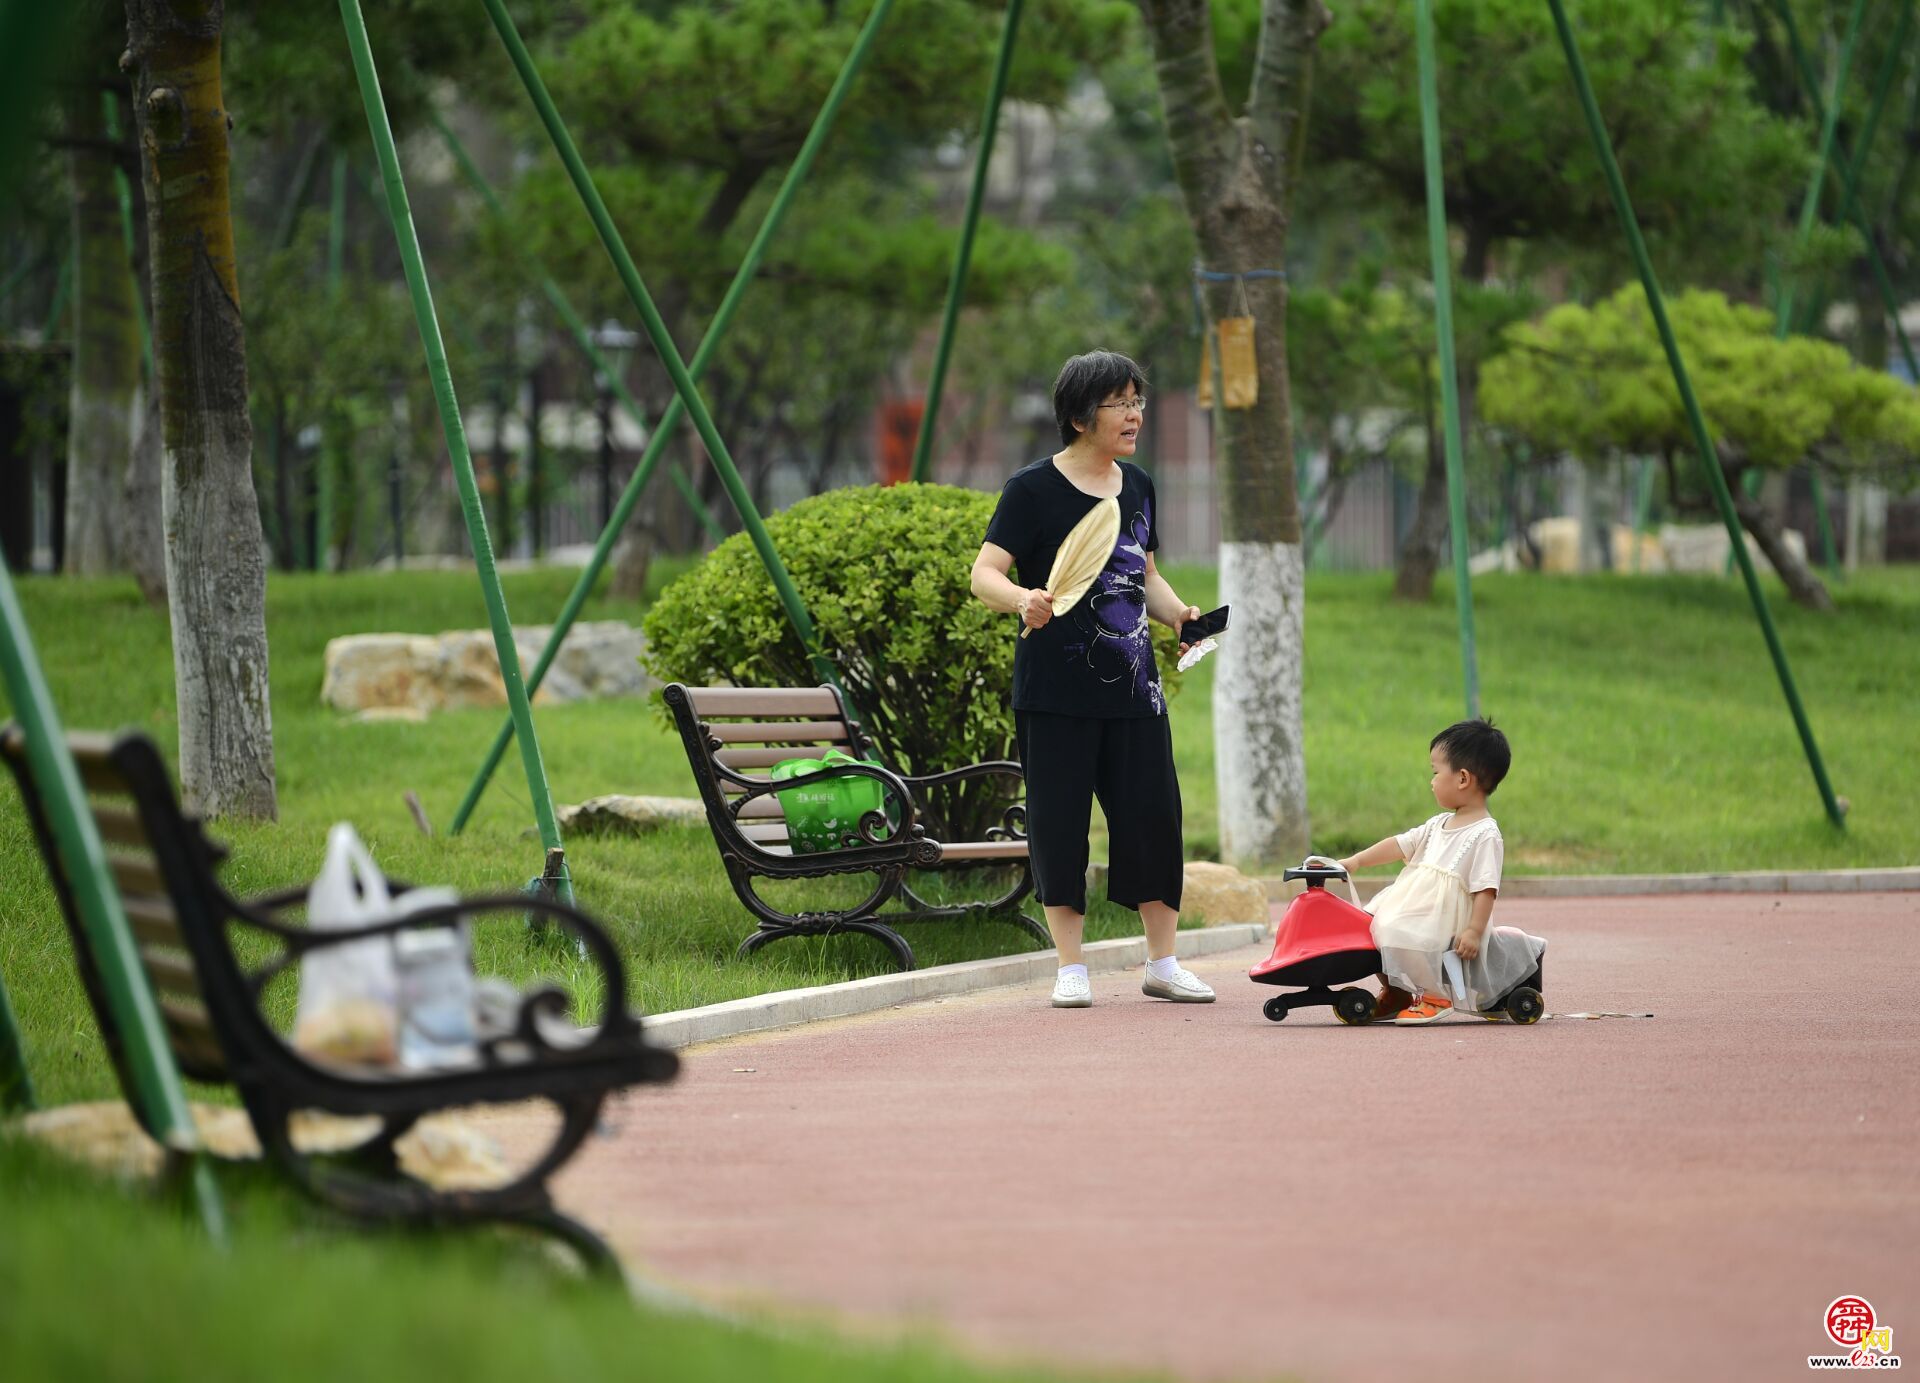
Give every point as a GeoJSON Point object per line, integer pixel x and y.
{"type": "Point", "coordinates": [216, 584]}
{"type": "Point", "coordinates": [215, 562]}
{"type": "Point", "coordinates": [106, 345]}
{"type": "Point", "coordinates": [1260, 757]}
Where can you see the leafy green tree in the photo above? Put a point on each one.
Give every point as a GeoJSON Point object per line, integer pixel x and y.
{"type": "Point", "coordinates": [1595, 382]}
{"type": "Point", "coordinates": [1712, 170]}
{"type": "Point", "coordinates": [689, 114]}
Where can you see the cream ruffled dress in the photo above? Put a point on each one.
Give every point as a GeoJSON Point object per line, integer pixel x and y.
{"type": "Point", "coordinates": [1417, 916]}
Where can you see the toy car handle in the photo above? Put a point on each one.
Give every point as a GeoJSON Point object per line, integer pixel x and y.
{"type": "Point", "coordinates": [1330, 869]}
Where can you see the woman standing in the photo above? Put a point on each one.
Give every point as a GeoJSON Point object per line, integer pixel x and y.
{"type": "Point", "coordinates": [1088, 710]}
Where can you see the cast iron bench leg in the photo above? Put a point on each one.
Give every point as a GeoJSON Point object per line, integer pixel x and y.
{"type": "Point", "coordinates": [887, 936]}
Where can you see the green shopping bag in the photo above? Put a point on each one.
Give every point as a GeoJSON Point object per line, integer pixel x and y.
{"type": "Point", "coordinates": [820, 816]}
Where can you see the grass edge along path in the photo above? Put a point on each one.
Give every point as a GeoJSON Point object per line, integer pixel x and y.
{"type": "Point", "coordinates": [306, 1301]}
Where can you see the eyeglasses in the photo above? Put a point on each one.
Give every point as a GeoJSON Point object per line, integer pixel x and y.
{"type": "Point", "coordinates": [1127, 406]}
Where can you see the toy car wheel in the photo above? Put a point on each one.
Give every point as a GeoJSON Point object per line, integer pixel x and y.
{"type": "Point", "coordinates": [1354, 1006]}
{"type": "Point", "coordinates": [1275, 1008]}
{"type": "Point", "coordinates": [1525, 1005]}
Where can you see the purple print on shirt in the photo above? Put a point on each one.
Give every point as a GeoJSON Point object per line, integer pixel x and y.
{"type": "Point", "coordinates": [1121, 647]}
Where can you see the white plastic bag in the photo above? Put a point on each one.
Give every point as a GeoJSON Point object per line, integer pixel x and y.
{"type": "Point", "coordinates": [350, 995]}
{"type": "Point", "coordinates": [436, 990]}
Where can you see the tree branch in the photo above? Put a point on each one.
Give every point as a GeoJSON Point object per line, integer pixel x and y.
{"type": "Point", "coordinates": [1283, 87]}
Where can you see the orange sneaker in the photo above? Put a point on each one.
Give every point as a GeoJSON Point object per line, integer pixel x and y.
{"type": "Point", "coordinates": [1391, 1004]}
{"type": "Point", "coordinates": [1427, 1008]}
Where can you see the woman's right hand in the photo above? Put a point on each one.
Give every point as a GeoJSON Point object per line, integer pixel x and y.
{"type": "Point", "coordinates": [1036, 608]}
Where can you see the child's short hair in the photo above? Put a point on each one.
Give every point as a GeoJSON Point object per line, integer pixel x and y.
{"type": "Point", "coordinates": [1478, 748]}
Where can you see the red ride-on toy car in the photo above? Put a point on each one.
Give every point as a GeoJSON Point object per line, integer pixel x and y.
{"type": "Point", "coordinates": [1322, 941]}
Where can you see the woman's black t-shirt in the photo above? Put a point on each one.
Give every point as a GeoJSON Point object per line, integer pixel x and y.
{"type": "Point", "coordinates": [1097, 658]}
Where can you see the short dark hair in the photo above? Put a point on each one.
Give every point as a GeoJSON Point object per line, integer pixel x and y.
{"type": "Point", "coordinates": [1478, 748]}
{"type": "Point", "coordinates": [1083, 385]}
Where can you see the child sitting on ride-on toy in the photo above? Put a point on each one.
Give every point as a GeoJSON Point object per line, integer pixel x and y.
{"type": "Point", "coordinates": [1443, 900]}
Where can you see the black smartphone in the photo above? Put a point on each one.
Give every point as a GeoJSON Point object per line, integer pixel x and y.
{"type": "Point", "coordinates": [1209, 624]}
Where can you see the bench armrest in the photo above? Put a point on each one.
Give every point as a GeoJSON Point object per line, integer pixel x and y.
{"type": "Point", "coordinates": [990, 767]}
{"type": "Point", "coordinates": [1013, 821]}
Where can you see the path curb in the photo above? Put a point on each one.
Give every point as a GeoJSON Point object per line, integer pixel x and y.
{"type": "Point", "coordinates": [1897, 880]}
{"type": "Point", "coordinates": [792, 1006]}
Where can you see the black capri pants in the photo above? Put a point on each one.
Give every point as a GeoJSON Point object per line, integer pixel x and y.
{"type": "Point", "coordinates": [1125, 761]}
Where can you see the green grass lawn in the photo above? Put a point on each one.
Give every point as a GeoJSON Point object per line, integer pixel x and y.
{"type": "Point", "coordinates": [1648, 729]}
{"type": "Point", "coordinates": [1649, 734]}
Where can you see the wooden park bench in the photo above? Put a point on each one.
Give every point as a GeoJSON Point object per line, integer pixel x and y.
{"type": "Point", "coordinates": [210, 956]}
{"type": "Point", "coordinates": [731, 731]}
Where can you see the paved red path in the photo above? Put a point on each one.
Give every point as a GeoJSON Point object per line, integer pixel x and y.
{"type": "Point", "coordinates": [1197, 1189]}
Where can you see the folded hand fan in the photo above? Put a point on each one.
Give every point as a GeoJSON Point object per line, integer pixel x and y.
{"type": "Point", "coordinates": [1082, 556]}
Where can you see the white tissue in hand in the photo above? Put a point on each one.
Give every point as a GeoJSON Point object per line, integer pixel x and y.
{"type": "Point", "coordinates": [1196, 653]}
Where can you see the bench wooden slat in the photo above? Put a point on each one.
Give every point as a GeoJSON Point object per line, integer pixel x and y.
{"type": "Point", "coordinates": [91, 757]}
{"type": "Point", "coordinates": [763, 701]}
{"type": "Point", "coordinates": [761, 808]}
{"type": "Point", "coordinates": [137, 874]}
{"type": "Point", "coordinates": [171, 974]}
{"type": "Point", "coordinates": [985, 850]}
{"type": "Point", "coordinates": [768, 834]}
{"type": "Point", "coordinates": [120, 825]}
{"type": "Point", "coordinates": [153, 921]}
{"type": "Point", "coordinates": [190, 1031]}
{"type": "Point", "coordinates": [762, 758]}
{"type": "Point", "coordinates": [780, 732]}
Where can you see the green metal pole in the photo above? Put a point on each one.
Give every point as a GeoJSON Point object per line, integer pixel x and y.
{"type": "Point", "coordinates": [1882, 85]}
{"type": "Point", "coordinates": [110, 103]}
{"type": "Point", "coordinates": [16, 1085]}
{"type": "Point", "coordinates": [62, 286]}
{"type": "Point", "coordinates": [670, 421]}
{"type": "Point", "coordinates": [1710, 460]}
{"type": "Point", "coordinates": [83, 862]}
{"type": "Point", "coordinates": [582, 334]}
{"type": "Point", "coordinates": [401, 216]}
{"type": "Point", "coordinates": [963, 253]}
{"type": "Point", "coordinates": [663, 342]}
{"type": "Point", "coordinates": [1881, 278]}
{"type": "Point", "coordinates": [1443, 331]}
{"type": "Point", "coordinates": [20, 271]}
{"type": "Point", "coordinates": [1642, 505]}
{"type": "Point", "coordinates": [296, 194]}
{"type": "Point", "coordinates": [1876, 106]}
{"type": "Point", "coordinates": [1829, 126]}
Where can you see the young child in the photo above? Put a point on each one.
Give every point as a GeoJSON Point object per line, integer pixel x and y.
{"type": "Point", "coordinates": [1443, 900]}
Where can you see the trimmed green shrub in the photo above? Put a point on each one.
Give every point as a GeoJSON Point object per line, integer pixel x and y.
{"type": "Point", "coordinates": [884, 572]}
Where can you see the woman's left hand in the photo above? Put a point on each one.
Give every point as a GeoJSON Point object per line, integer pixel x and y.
{"type": "Point", "coordinates": [1179, 622]}
{"type": "Point", "coordinates": [1467, 945]}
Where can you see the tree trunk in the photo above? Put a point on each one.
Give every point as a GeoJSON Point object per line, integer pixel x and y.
{"type": "Point", "coordinates": [143, 536]}
{"type": "Point", "coordinates": [1760, 520]}
{"type": "Point", "coordinates": [106, 343]}
{"type": "Point", "coordinates": [632, 559]}
{"type": "Point", "coordinates": [1419, 556]}
{"type": "Point", "coordinates": [216, 566]}
{"type": "Point", "coordinates": [1236, 179]}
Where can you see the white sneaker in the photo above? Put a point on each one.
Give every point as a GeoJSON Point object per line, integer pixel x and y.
{"type": "Point", "coordinates": [1184, 988]}
{"type": "Point", "coordinates": [1072, 991]}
